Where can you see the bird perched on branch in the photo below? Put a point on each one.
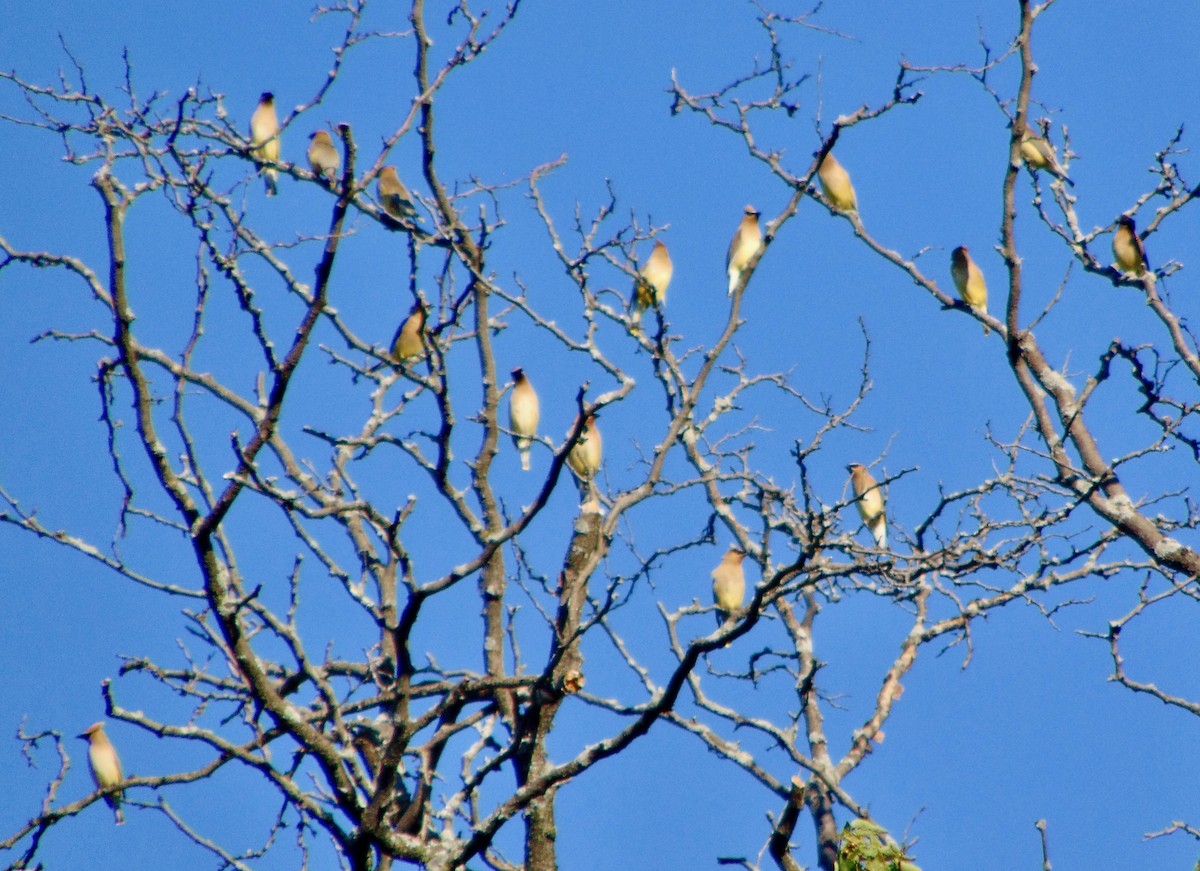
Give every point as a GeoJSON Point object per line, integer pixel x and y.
{"type": "Point", "coordinates": [523, 414]}
{"type": "Point", "coordinates": [835, 182]}
{"type": "Point", "coordinates": [870, 503]}
{"type": "Point", "coordinates": [105, 766]}
{"type": "Point", "coordinates": [323, 157]}
{"type": "Point", "coordinates": [1127, 247]}
{"type": "Point", "coordinates": [264, 140]}
{"type": "Point", "coordinates": [584, 458]}
{"type": "Point", "coordinates": [1038, 153]}
{"type": "Point", "coordinates": [394, 196]}
{"type": "Point", "coordinates": [652, 281]}
{"type": "Point", "coordinates": [409, 341]}
{"type": "Point", "coordinates": [729, 584]}
{"type": "Point", "coordinates": [746, 243]}
{"type": "Point", "coordinates": [969, 281]}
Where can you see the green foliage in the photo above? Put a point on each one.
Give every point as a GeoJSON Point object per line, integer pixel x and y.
{"type": "Point", "coordinates": [867, 846]}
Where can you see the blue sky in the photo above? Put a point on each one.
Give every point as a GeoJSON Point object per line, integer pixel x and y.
{"type": "Point", "coordinates": [1031, 729]}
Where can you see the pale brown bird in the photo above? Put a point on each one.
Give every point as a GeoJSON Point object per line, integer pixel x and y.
{"type": "Point", "coordinates": [1038, 153]}
{"type": "Point", "coordinates": [409, 341]}
{"type": "Point", "coordinates": [105, 766]}
{"type": "Point", "coordinates": [584, 458]}
{"type": "Point", "coordinates": [1127, 247]}
{"type": "Point", "coordinates": [870, 503]}
{"type": "Point", "coordinates": [729, 584]}
{"type": "Point", "coordinates": [651, 284]}
{"type": "Point", "coordinates": [746, 243]}
{"type": "Point", "coordinates": [264, 140]}
{"type": "Point", "coordinates": [969, 281]}
{"type": "Point", "coordinates": [394, 196]}
{"type": "Point", "coordinates": [323, 157]}
{"type": "Point", "coordinates": [523, 414]}
{"type": "Point", "coordinates": [835, 182]}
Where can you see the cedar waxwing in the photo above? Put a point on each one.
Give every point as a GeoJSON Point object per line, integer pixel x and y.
{"type": "Point", "coordinates": [1127, 247]}
{"type": "Point", "coordinates": [969, 281]}
{"type": "Point", "coordinates": [523, 414]}
{"type": "Point", "coordinates": [394, 196]}
{"type": "Point", "coordinates": [746, 243]}
{"type": "Point", "coordinates": [652, 281]}
{"type": "Point", "coordinates": [264, 140]}
{"type": "Point", "coordinates": [1038, 153]}
{"type": "Point", "coordinates": [835, 182]}
{"type": "Point", "coordinates": [729, 584]}
{"type": "Point", "coordinates": [870, 503]}
{"type": "Point", "coordinates": [409, 341]}
{"type": "Point", "coordinates": [105, 766]}
{"type": "Point", "coordinates": [584, 458]}
{"type": "Point", "coordinates": [323, 158]}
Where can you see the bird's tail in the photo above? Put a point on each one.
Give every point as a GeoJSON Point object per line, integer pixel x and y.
{"type": "Point", "coordinates": [586, 489]}
{"type": "Point", "coordinates": [982, 312]}
{"type": "Point", "coordinates": [524, 449]}
{"type": "Point", "coordinates": [879, 531]}
{"type": "Point", "coordinates": [1061, 173]}
{"type": "Point", "coordinates": [271, 181]}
